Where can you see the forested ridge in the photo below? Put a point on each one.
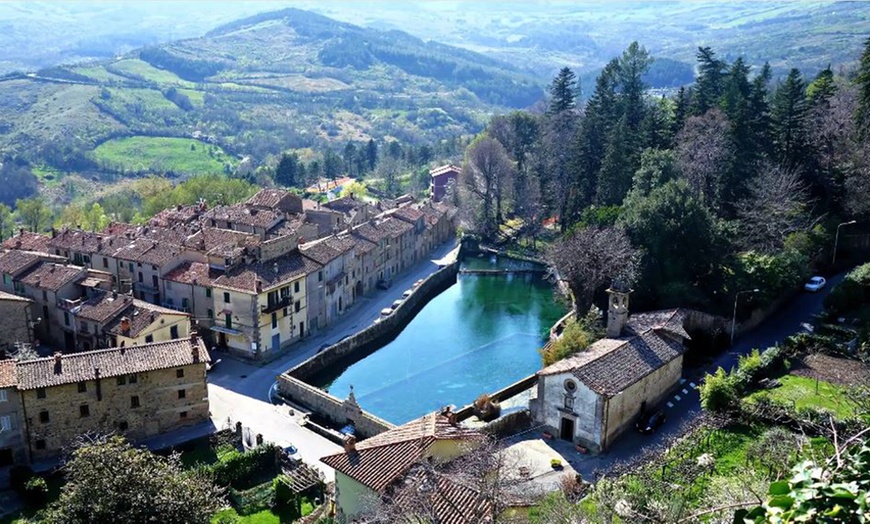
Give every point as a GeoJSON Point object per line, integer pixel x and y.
{"type": "Point", "coordinates": [734, 182]}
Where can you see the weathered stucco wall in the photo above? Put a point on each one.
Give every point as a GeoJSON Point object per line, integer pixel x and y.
{"type": "Point", "coordinates": [624, 408]}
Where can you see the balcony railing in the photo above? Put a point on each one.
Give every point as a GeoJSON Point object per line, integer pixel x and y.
{"type": "Point", "coordinates": [276, 305]}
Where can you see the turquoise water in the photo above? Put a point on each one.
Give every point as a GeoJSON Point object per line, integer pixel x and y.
{"type": "Point", "coordinates": [478, 336]}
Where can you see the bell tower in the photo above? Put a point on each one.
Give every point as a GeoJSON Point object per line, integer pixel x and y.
{"type": "Point", "coordinates": [617, 312]}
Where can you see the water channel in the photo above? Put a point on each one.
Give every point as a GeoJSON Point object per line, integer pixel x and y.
{"type": "Point", "coordinates": [477, 336]}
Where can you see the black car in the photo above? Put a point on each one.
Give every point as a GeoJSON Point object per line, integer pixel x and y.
{"type": "Point", "coordinates": [651, 421]}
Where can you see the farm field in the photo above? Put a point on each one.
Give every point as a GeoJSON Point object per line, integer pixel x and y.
{"type": "Point", "coordinates": [163, 154]}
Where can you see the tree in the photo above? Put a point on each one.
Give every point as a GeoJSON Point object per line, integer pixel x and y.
{"type": "Point", "coordinates": [703, 153]}
{"type": "Point", "coordinates": [591, 257]}
{"type": "Point", "coordinates": [331, 164]}
{"type": "Point", "coordinates": [564, 89]}
{"type": "Point", "coordinates": [371, 154]}
{"type": "Point", "coordinates": [388, 171]}
{"type": "Point", "coordinates": [34, 213]}
{"type": "Point", "coordinates": [355, 189]}
{"type": "Point", "coordinates": [486, 179]}
{"type": "Point", "coordinates": [657, 167]}
{"type": "Point", "coordinates": [708, 86]}
{"type": "Point", "coordinates": [350, 157]}
{"type": "Point", "coordinates": [789, 114]}
{"type": "Point", "coordinates": [95, 218]}
{"type": "Point", "coordinates": [778, 206]}
{"type": "Point", "coordinates": [287, 171]}
{"type": "Point", "coordinates": [681, 242]}
{"type": "Point", "coordinates": [16, 180]}
{"type": "Point", "coordinates": [110, 481]}
{"type": "Point", "coordinates": [862, 79]}
{"type": "Point", "coordinates": [7, 225]}
{"type": "Point", "coordinates": [822, 88]}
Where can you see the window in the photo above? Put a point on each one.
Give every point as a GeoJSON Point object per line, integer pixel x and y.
{"type": "Point", "coordinates": [87, 259]}
{"type": "Point", "coordinates": [4, 396]}
{"type": "Point", "coordinates": [44, 295]}
{"type": "Point", "coordinates": [66, 318]}
{"type": "Point", "coordinates": [85, 327]}
{"type": "Point", "coordinates": [105, 262]}
{"type": "Point", "coordinates": [40, 393]}
{"type": "Point", "coordinates": [285, 311]}
{"type": "Point", "coordinates": [569, 401]}
{"type": "Point", "coordinates": [168, 284]}
{"type": "Point", "coordinates": [173, 332]}
{"type": "Point", "coordinates": [228, 321]}
{"type": "Point", "coordinates": [134, 401]}
{"type": "Point", "coordinates": [149, 339]}
{"type": "Point", "coordinates": [297, 306]}
{"type": "Point", "coordinates": [131, 267]}
{"type": "Point", "coordinates": [182, 393]}
{"type": "Point", "coordinates": [226, 297]}
{"type": "Point", "coordinates": [274, 320]}
{"type": "Point", "coordinates": [208, 292]}
{"type": "Point", "coordinates": [320, 276]}
{"type": "Point", "coordinates": [184, 302]}
{"type": "Point", "coordinates": [43, 417]}
{"type": "Point", "coordinates": [5, 422]}
{"type": "Point", "coordinates": [133, 379]}
{"type": "Point", "coordinates": [153, 267]}
{"type": "Point", "coordinates": [83, 387]}
{"type": "Point", "coordinates": [179, 373]}
{"type": "Point", "coordinates": [123, 425]}
{"type": "Point", "coordinates": [141, 278]}
{"type": "Point", "coordinates": [84, 411]}
{"type": "Point", "coordinates": [183, 414]}
{"type": "Point", "coordinates": [154, 282]}
{"type": "Point", "coordinates": [296, 287]}
{"type": "Point", "coordinates": [570, 385]}
{"type": "Point", "coordinates": [40, 444]}
{"type": "Point", "coordinates": [122, 380]}
{"type": "Point", "coordinates": [209, 313]}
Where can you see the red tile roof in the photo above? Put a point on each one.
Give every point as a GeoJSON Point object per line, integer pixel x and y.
{"type": "Point", "coordinates": [272, 273]}
{"type": "Point", "coordinates": [15, 262]}
{"type": "Point", "coordinates": [76, 240]}
{"type": "Point", "coordinates": [51, 276]}
{"type": "Point", "coordinates": [7, 374]}
{"type": "Point", "coordinates": [140, 315]}
{"type": "Point", "coordinates": [9, 297]}
{"type": "Point", "coordinates": [149, 251]}
{"type": "Point", "coordinates": [102, 307]}
{"type": "Point", "coordinates": [279, 199]}
{"type": "Point", "coordinates": [112, 362]}
{"type": "Point", "coordinates": [241, 214]}
{"type": "Point", "coordinates": [196, 273]}
{"type": "Point", "coordinates": [381, 460]}
{"type": "Point", "coordinates": [28, 242]}
{"type": "Point", "coordinates": [320, 252]}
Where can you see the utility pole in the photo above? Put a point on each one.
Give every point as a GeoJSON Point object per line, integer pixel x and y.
{"type": "Point", "coordinates": [837, 239]}
{"type": "Point", "coordinates": [734, 317]}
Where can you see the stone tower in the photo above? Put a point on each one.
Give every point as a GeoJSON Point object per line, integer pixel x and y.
{"type": "Point", "coordinates": [617, 312]}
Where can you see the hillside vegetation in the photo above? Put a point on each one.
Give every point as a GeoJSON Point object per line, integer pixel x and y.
{"type": "Point", "coordinates": [257, 86]}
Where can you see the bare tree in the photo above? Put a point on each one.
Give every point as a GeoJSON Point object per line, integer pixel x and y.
{"type": "Point", "coordinates": [592, 257]}
{"type": "Point", "coordinates": [703, 154]}
{"type": "Point", "coordinates": [486, 176]}
{"type": "Point", "coordinates": [779, 204]}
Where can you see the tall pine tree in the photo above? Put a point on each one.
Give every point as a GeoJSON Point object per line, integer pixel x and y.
{"type": "Point", "coordinates": [708, 85]}
{"type": "Point", "coordinates": [862, 115]}
{"type": "Point", "coordinates": [564, 91]}
{"type": "Point", "coordinates": [789, 116]}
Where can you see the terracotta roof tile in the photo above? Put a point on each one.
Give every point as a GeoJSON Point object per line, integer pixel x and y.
{"type": "Point", "coordinates": [28, 241]}
{"type": "Point", "coordinates": [52, 276]}
{"type": "Point", "coordinates": [7, 374]}
{"type": "Point", "coordinates": [441, 498]}
{"type": "Point", "coordinates": [149, 251]}
{"type": "Point", "coordinates": [345, 204]}
{"type": "Point", "coordinates": [279, 199]}
{"type": "Point", "coordinates": [177, 215]}
{"type": "Point", "coordinates": [101, 307]}
{"type": "Point", "coordinates": [408, 214]}
{"type": "Point", "coordinates": [112, 362]}
{"type": "Point", "coordinates": [271, 273]}
{"type": "Point", "coordinates": [140, 315]}
{"type": "Point", "coordinates": [15, 262]}
{"type": "Point", "coordinates": [77, 240]}
{"type": "Point", "coordinates": [340, 243]}
{"type": "Point", "coordinates": [241, 214]}
{"type": "Point", "coordinates": [9, 297]}
{"type": "Point", "coordinates": [320, 252]}
{"type": "Point", "coordinates": [193, 273]}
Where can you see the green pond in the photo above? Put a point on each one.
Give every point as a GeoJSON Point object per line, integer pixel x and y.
{"type": "Point", "coordinates": [477, 336]}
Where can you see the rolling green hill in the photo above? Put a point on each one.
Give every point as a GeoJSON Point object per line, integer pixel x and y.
{"type": "Point", "coordinates": [253, 87]}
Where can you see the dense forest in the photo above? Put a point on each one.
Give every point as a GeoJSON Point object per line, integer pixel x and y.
{"type": "Point", "coordinates": [735, 182]}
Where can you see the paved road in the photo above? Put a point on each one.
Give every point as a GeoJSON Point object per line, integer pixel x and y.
{"type": "Point", "coordinates": [241, 391]}
{"type": "Point", "coordinates": [686, 402]}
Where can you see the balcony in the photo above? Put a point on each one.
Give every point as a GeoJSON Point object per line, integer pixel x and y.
{"type": "Point", "coordinates": [273, 306]}
{"type": "Point", "coordinates": [142, 287]}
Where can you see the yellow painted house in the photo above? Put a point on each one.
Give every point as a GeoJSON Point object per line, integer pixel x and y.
{"type": "Point", "coordinates": [261, 308]}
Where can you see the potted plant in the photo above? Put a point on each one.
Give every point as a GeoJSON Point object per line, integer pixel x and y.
{"type": "Point", "coordinates": [556, 464]}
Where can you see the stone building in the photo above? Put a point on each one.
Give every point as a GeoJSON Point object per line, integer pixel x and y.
{"type": "Point", "coordinates": [593, 396]}
{"type": "Point", "coordinates": [12, 442]}
{"type": "Point", "coordinates": [15, 326]}
{"type": "Point", "coordinates": [138, 391]}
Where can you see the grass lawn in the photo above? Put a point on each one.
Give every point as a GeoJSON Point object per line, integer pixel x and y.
{"type": "Point", "coordinates": [163, 154]}
{"type": "Point", "coordinates": [261, 517]}
{"type": "Point", "coordinates": [808, 392]}
{"type": "Point", "coordinates": [148, 72]}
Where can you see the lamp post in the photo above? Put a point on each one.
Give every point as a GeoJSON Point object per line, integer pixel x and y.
{"type": "Point", "coordinates": [837, 239]}
{"type": "Point", "coordinates": [734, 317]}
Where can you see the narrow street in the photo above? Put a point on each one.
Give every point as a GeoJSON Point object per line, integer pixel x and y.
{"type": "Point", "coordinates": [685, 403]}
{"type": "Point", "coordinates": [239, 391]}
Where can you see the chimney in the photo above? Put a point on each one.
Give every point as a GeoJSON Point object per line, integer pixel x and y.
{"type": "Point", "coordinates": [617, 312]}
{"type": "Point", "coordinates": [259, 286]}
{"type": "Point", "coordinates": [349, 444]}
{"type": "Point", "coordinates": [21, 232]}
{"type": "Point", "coordinates": [275, 268]}
{"type": "Point", "coordinates": [58, 363]}
{"type": "Point", "coordinates": [114, 294]}
{"type": "Point", "coordinates": [449, 415]}
{"type": "Point", "coordinates": [53, 233]}
{"type": "Point", "coordinates": [125, 325]}
{"type": "Point", "coordinates": [194, 346]}
{"type": "Point", "coordinates": [97, 380]}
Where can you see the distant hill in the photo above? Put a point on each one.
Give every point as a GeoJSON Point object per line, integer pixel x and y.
{"type": "Point", "coordinates": [257, 86]}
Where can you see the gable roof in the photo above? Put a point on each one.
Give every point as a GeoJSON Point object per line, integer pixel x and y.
{"type": "Point", "coordinates": [102, 307]}
{"type": "Point", "coordinates": [140, 315]}
{"type": "Point", "coordinates": [9, 297]}
{"type": "Point", "coordinates": [197, 273]}
{"type": "Point", "coordinates": [149, 251]}
{"type": "Point", "coordinates": [28, 241]}
{"type": "Point", "coordinates": [76, 240]}
{"type": "Point", "coordinates": [610, 366]}
{"type": "Point", "coordinates": [270, 273]}
{"type": "Point", "coordinates": [440, 497]}
{"type": "Point", "coordinates": [52, 276]}
{"type": "Point", "coordinates": [276, 199]}
{"type": "Point", "coordinates": [320, 252]}
{"type": "Point", "coordinates": [112, 362]}
{"type": "Point", "coordinates": [380, 460]}
{"type": "Point", "coordinates": [15, 262]}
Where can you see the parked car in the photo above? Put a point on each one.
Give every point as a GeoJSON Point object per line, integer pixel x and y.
{"type": "Point", "coordinates": [651, 421]}
{"type": "Point", "coordinates": [396, 303]}
{"type": "Point", "coordinates": [407, 293]}
{"type": "Point", "coordinates": [814, 284]}
{"type": "Point", "coordinates": [292, 454]}
{"type": "Point", "coordinates": [384, 283]}
{"type": "Point", "coordinates": [387, 311]}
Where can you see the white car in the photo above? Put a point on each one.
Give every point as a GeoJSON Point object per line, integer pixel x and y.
{"type": "Point", "coordinates": [815, 284]}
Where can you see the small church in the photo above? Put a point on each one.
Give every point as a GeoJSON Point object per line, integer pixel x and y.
{"type": "Point", "coordinates": [591, 397]}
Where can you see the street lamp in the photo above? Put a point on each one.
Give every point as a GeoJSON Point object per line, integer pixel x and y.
{"type": "Point", "coordinates": [734, 317]}
{"type": "Point", "coordinates": [837, 239]}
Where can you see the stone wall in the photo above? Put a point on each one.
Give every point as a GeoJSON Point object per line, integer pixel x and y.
{"type": "Point", "coordinates": [336, 411]}
{"type": "Point", "coordinates": [378, 334]}
{"type": "Point", "coordinates": [14, 326]}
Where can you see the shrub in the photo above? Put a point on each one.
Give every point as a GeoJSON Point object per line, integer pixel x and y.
{"type": "Point", "coordinates": [254, 500]}
{"type": "Point", "coordinates": [578, 335]}
{"type": "Point", "coordinates": [239, 470]}
{"type": "Point", "coordinates": [719, 392]}
{"type": "Point", "coordinates": [285, 498]}
{"type": "Point", "coordinates": [852, 293]}
{"type": "Point", "coordinates": [485, 408]}
{"type": "Point", "coordinates": [35, 492]}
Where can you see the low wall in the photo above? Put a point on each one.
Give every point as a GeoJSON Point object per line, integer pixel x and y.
{"type": "Point", "coordinates": [504, 393]}
{"type": "Point", "coordinates": [378, 334]}
{"type": "Point", "coordinates": [338, 412]}
{"type": "Point", "coordinates": [510, 424]}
